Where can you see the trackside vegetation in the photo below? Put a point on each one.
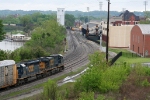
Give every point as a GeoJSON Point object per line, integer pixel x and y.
{"type": "Point", "coordinates": [102, 82]}
{"type": "Point", "coordinates": [45, 40]}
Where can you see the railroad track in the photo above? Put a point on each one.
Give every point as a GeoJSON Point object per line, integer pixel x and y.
{"type": "Point", "coordinates": [76, 56]}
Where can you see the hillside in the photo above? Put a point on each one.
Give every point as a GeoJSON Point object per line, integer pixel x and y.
{"type": "Point", "coordinates": [102, 14]}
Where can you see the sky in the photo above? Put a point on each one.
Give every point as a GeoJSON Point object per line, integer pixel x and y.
{"type": "Point", "coordinates": [72, 5]}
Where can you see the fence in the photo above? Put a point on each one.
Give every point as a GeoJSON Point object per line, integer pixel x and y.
{"type": "Point", "coordinates": [130, 55]}
{"type": "Point", "coordinates": [115, 58]}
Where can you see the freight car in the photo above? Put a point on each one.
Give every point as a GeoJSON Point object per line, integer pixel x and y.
{"type": "Point", "coordinates": [16, 74]}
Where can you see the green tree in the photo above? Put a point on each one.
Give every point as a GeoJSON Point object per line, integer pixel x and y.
{"type": "Point", "coordinates": [27, 23]}
{"type": "Point", "coordinates": [69, 20]}
{"type": "Point", "coordinates": [2, 33]}
{"type": "Point", "coordinates": [147, 18]}
{"type": "Point", "coordinates": [11, 20]}
{"type": "Point", "coordinates": [50, 90]}
{"type": "Point", "coordinates": [49, 35]}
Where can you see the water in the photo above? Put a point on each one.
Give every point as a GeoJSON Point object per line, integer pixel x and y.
{"type": "Point", "coordinates": [8, 45]}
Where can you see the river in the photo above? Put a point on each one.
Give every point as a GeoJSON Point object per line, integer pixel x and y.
{"type": "Point", "coordinates": [8, 45]}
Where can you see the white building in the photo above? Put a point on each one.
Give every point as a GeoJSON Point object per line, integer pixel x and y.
{"type": "Point", "coordinates": [61, 16]}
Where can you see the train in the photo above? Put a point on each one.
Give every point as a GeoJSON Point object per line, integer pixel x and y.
{"type": "Point", "coordinates": [12, 74]}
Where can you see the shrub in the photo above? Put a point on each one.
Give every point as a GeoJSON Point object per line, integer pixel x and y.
{"type": "Point", "coordinates": [145, 83]}
{"type": "Point", "coordinates": [100, 77]}
{"type": "Point", "coordinates": [50, 90]}
{"type": "Point", "coordinates": [113, 77]}
{"type": "Point", "coordinates": [87, 96]}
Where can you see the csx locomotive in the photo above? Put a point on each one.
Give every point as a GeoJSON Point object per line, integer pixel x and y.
{"type": "Point", "coordinates": [15, 74]}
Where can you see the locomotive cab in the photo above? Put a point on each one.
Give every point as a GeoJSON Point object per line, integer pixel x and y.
{"type": "Point", "coordinates": [28, 69]}
{"type": "Point", "coordinates": [46, 62]}
{"type": "Point", "coordinates": [58, 61]}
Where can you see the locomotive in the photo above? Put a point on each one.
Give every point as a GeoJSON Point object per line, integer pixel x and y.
{"type": "Point", "coordinates": [12, 73]}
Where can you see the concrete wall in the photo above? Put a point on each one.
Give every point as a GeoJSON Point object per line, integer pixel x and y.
{"type": "Point", "coordinates": [119, 36]}
{"type": "Point", "coordinates": [61, 16]}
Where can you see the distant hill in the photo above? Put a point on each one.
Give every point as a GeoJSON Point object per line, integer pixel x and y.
{"type": "Point", "coordinates": [98, 14]}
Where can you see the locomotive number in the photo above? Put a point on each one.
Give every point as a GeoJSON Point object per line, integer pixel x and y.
{"type": "Point", "coordinates": [31, 68]}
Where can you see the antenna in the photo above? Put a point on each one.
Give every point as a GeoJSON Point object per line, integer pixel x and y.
{"type": "Point", "coordinates": [123, 9]}
{"type": "Point", "coordinates": [145, 3]}
{"type": "Point", "coordinates": [100, 5]}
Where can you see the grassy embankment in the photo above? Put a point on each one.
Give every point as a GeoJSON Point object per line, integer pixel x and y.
{"type": "Point", "coordinates": [102, 82]}
{"type": "Point", "coordinates": [128, 57]}
{"type": "Point", "coordinates": [38, 86]}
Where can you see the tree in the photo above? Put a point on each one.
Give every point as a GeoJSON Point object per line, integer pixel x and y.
{"type": "Point", "coordinates": [2, 33]}
{"type": "Point", "coordinates": [48, 35]}
{"type": "Point", "coordinates": [147, 18]}
{"type": "Point", "coordinates": [69, 20]}
{"type": "Point", "coordinates": [26, 21]}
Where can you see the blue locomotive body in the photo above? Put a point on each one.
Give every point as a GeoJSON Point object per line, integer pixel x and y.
{"type": "Point", "coordinates": [40, 67]}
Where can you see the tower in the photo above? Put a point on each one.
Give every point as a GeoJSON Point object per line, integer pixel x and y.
{"type": "Point", "coordinates": [61, 16]}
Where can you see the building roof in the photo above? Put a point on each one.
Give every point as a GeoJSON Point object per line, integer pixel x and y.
{"type": "Point", "coordinates": [145, 28]}
{"type": "Point", "coordinates": [126, 15]}
{"type": "Point", "coordinates": [19, 35]}
{"type": "Point", "coordinates": [6, 63]}
{"type": "Point", "coordinates": [115, 18]}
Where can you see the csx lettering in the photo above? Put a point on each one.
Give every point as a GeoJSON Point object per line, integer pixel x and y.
{"type": "Point", "coordinates": [31, 68]}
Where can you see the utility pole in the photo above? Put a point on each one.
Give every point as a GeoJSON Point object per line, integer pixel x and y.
{"type": "Point", "coordinates": [107, 32]}
{"type": "Point", "coordinates": [145, 3]}
{"type": "Point", "coordinates": [123, 9]}
{"type": "Point", "coordinates": [100, 5]}
{"type": "Point", "coordinates": [88, 13]}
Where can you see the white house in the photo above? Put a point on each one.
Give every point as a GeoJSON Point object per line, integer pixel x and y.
{"type": "Point", "coordinates": [61, 16]}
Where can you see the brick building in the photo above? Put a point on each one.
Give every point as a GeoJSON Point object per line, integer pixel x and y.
{"type": "Point", "coordinates": [125, 18]}
{"type": "Point", "coordinates": [140, 39]}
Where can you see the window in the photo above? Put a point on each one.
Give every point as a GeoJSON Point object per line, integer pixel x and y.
{"type": "Point", "coordinates": [133, 38]}
{"type": "Point", "coordinates": [138, 39]}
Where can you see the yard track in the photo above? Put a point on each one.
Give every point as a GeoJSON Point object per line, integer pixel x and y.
{"type": "Point", "coordinates": [79, 49]}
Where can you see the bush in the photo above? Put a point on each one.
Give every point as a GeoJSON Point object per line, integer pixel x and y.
{"type": "Point", "coordinates": [87, 96]}
{"type": "Point", "coordinates": [113, 77]}
{"type": "Point", "coordinates": [145, 83]}
{"type": "Point", "coordinates": [100, 77]}
{"type": "Point", "coordinates": [50, 90]}
{"type": "Point", "coordinates": [4, 54]}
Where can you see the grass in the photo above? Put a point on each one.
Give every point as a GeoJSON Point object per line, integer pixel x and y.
{"type": "Point", "coordinates": [65, 89]}
{"type": "Point", "coordinates": [127, 57]}
{"type": "Point", "coordinates": [28, 90]}
{"type": "Point", "coordinates": [118, 83]}
{"type": "Point", "coordinates": [132, 60]}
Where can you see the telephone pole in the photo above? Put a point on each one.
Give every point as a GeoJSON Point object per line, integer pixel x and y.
{"type": "Point", "coordinates": [123, 9]}
{"type": "Point", "coordinates": [107, 31]}
{"type": "Point", "coordinates": [88, 13]}
{"type": "Point", "coordinates": [100, 5]}
{"type": "Point", "coordinates": [145, 3]}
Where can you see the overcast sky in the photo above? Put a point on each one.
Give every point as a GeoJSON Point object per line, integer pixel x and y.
{"type": "Point", "coordinates": [71, 5]}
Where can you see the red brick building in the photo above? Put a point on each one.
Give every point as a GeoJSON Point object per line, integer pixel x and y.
{"type": "Point", "coordinates": [125, 18]}
{"type": "Point", "coordinates": [140, 39]}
